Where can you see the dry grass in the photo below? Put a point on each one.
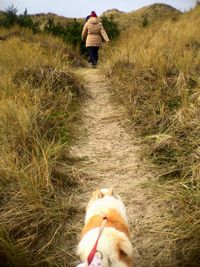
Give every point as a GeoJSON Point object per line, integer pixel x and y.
{"type": "Point", "coordinates": [155, 73]}
{"type": "Point", "coordinates": [39, 97]}
{"type": "Point", "coordinates": [135, 19]}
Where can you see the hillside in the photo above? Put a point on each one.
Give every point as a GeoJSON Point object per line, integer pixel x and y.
{"type": "Point", "coordinates": [138, 18]}
{"type": "Point", "coordinates": [115, 13]}
{"type": "Point", "coordinates": [148, 14]}
{"type": "Point", "coordinates": [39, 116]}
{"type": "Point", "coordinates": [132, 124]}
{"type": "Point", "coordinates": [153, 13]}
{"type": "Point", "coordinates": [43, 18]}
{"type": "Point", "coordinates": [154, 71]}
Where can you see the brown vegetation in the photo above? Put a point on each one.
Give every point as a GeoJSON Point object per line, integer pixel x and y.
{"type": "Point", "coordinates": [154, 70]}
{"type": "Point", "coordinates": [152, 13]}
{"type": "Point", "coordinates": [155, 75]}
{"type": "Point", "coordinates": [39, 96]}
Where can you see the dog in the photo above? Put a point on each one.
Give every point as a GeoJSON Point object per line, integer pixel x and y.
{"type": "Point", "coordinates": [106, 226]}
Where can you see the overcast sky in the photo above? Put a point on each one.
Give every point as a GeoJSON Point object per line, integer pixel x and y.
{"type": "Point", "coordinates": [81, 8]}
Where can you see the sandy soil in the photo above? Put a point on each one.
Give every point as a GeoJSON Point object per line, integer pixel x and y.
{"type": "Point", "coordinates": [111, 157]}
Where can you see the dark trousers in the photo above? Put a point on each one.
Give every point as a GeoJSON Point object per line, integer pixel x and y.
{"type": "Point", "coordinates": [93, 53]}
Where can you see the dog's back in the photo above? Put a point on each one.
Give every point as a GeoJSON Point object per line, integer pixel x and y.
{"type": "Point", "coordinates": [114, 244]}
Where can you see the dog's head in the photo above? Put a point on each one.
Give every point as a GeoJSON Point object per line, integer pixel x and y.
{"type": "Point", "coordinates": [101, 193]}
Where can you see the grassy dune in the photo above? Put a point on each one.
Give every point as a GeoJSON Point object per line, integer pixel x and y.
{"type": "Point", "coordinates": [39, 97]}
{"type": "Point", "coordinates": [155, 75]}
{"type": "Point", "coordinates": [147, 15]}
{"type": "Point", "coordinates": [154, 71]}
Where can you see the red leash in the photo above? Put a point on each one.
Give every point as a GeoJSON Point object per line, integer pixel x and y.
{"type": "Point", "coordinates": [94, 249]}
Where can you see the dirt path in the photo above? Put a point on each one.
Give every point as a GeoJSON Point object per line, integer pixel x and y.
{"type": "Point", "coordinates": [111, 157]}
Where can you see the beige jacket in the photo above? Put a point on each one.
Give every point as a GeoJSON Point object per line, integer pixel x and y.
{"type": "Point", "coordinates": [94, 33]}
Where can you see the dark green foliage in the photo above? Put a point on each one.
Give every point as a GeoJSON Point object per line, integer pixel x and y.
{"type": "Point", "coordinates": [111, 27]}
{"type": "Point", "coordinates": [70, 33]}
{"type": "Point", "coordinates": [24, 20]}
{"type": "Point", "coordinates": [55, 29]}
{"type": "Point", "coordinates": [36, 27]}
{"type": "Point", "coordinates": [73, 32]}
{"type": "Point", "coordinates": [10, 17]}
{"type": "Point", "coordinates": [145, 22]}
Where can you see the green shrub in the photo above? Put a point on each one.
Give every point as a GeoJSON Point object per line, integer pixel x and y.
{"type": "Point", "coordinates": [145, 22]}
{"type": "Point", "coordinates": [24, 20]}
{"type": "Point", "coordinates": [10, 17]}
{"type": "Point", "coordinates": [71, 33]}
{"type": "Point", "coordinates": [111, 27]}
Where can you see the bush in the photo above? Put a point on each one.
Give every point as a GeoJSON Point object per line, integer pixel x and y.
{"type": "Point", "coordinates": [70, 34]}
{"type": "Point", "coordinates": [111, 27]}
{"type": "Point", "coordinates": [10, 17]}
{"type": "Point", "coordinates": [24, 20]}
{"type": "Point", "coordinates": [145, 22]}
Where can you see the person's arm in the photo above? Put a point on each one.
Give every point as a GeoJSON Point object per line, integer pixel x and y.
{"type": "Point", "coordinates": [84, 32]}
{"type": "Point", "coordinates": [104, 34]}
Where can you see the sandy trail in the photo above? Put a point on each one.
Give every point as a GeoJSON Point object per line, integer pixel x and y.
{"type": "Point", "coordinates": [111, 159]}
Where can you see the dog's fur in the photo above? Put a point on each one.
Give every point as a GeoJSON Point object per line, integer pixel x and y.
{"type": "Point", "coordinates": [114, 243]}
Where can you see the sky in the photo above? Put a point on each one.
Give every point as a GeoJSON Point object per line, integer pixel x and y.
{"type": "Point", "coordinates": [81, 8]}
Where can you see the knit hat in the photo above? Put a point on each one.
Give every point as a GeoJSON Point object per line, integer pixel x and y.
{"type": "Point", "coordinates": [93, 14]}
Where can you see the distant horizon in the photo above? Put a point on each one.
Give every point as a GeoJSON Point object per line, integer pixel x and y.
{"type": "Point", "coordinates": [69, 9]}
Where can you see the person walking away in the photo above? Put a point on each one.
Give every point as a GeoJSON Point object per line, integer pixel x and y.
{"type": "Point", "coordinates": [86, 19]}
{"type": "Point", "coordinates": [94, 33]}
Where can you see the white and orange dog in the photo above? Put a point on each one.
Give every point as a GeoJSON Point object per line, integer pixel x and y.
{"type": "Point", "coordinates": [106, 218]}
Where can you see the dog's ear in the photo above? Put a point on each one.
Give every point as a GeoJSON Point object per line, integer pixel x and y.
{"type": "Point", "coordinates": [97, 194]}
{"type": "Point", "coordinates": [110, 192]}
{"type": "Point", "coordinates": [102, 192]}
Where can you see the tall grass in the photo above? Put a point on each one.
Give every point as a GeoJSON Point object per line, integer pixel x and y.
{"type": "Point", "coordinates": [39, 98]}
{"type": "Point", "coordinates": [144, 16]}
{"type": "Point", "coordinates": [155, 75]}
